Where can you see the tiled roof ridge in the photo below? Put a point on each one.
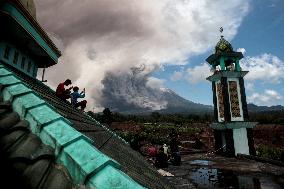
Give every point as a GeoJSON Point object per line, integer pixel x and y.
{"type": "Point", "coordinates": [25, 161]}
{"type": "Point", "coordinates": [85, 163]}
{"type": "Point", "coordinates": [80, 112]}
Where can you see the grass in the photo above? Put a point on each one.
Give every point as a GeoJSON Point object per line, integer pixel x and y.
{"type": "Point", "coordinates": [158, 133]}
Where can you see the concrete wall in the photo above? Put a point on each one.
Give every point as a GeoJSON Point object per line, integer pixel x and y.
{"type": "Point", "coordinates": [18, 59]}
{"type": "Point", "coordinates": [241, 141]}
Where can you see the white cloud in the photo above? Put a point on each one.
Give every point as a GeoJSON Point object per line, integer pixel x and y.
{"type": "Point", "coordinates": [105, 36]}
{"type": "Point", "coordinates": [242, 50]}
{"type": "Point", "coordinates": [266, 67]}
{"type": "Point", "coordinates": [177, 75]}
{"type": "Point", "coordinates": [249, 86]}
{"type": "Point", "coordinates": [155, 83]}
{"type": "Point", "coordinates": [198, 73]}
{"type": "Point", "coordinates": [268, 98]}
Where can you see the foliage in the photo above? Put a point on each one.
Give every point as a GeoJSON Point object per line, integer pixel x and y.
{"type": "Point", "coordinates": [270, 153]}
{"type": "Point", "coordinates": [126, 135]}
{"type": "Point", "coordinates": [271, 117]}
{"type": "Point", "coordinates": [156, 117]}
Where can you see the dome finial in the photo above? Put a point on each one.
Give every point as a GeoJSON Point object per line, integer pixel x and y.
{"type": "Point", "coordinates": [221, 31]}
{"type": "Point", "coordinates": [223, 46]}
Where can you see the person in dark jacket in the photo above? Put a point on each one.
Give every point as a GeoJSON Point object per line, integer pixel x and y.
{"type": "Point", "coordinates": [175, 154]}
{"type": "Point", "coordinates": [161, 159]}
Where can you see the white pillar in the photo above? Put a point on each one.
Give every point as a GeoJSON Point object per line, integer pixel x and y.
{"type": "Point", "coordinates": [241, 141]}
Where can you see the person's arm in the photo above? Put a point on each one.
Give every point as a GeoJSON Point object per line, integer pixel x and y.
{"type": "Point", "coordinates": [69, 89]}
{"type": "Point", "coordinates": [82, 94]}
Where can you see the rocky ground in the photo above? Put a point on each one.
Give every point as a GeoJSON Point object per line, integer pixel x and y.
{"type": "Point", "coordinates": [203, 171]}
{"type": "Point", "coordinates": [200, 170]}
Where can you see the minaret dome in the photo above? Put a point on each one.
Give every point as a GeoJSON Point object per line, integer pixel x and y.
{"type": "Point", "coordinates": [223, 46]}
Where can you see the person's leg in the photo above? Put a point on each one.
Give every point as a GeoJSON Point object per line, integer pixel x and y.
{"type": "Point", "coordinates": [66, 95]}
{"type": "Point", "coordinates": [77, 105]}
{"type": "Point", "coordinates": [81, 104]}
{"type": "Point", "coordinates": [63, 97]}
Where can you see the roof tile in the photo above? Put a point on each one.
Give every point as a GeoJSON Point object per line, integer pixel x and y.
{"type": "Point", "coordinates": [25, 162]}
{"type": "Point", "coordinates": [104, 139]}
{"type": "Point", "coordinates": [82, 159]}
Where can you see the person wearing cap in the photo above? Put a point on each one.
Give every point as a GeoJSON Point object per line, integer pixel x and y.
{"type": "Point", "coordinates": [74, 98]}
{"type": "Point", "coordinates": [63, 93]}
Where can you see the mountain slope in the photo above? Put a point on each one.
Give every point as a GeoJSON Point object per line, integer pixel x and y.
{"type": "Point", "coordinates": [132, 93]}
{"type": "Point", "coordinates": [255, 108]}
{"type": "Point", "coordinates": [177, 104]}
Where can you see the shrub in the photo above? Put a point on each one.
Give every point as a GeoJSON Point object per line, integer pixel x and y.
{"type": "Point", "coordinates": [270, 153]}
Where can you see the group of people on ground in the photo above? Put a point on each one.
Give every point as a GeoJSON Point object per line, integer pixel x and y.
{"type": "Point", "coordinates": [166, 153]}
{"type": "Point", "coordinates": [65, 93]}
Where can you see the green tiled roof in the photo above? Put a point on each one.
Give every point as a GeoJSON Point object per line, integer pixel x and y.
{"type": "Point", "coordinates": [81, 144]}
{"type": "Point", "coordinates": [72, 149]}
{"type": "Point", "coordinates": [25, 161]}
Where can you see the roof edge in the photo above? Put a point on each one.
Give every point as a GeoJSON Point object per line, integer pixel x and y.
{"type": "Point", "coordinates": [33, 22]}
{"type": "Point", "coordinates": [214, 57]}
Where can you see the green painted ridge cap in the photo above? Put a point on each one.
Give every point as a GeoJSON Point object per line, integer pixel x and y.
{"type": "Point", "coordinates": [98, 123]}
{"type": "Point", "coordinates": [14, 96]}
{"type": "Point", "coordinates": [82, 159]}
{"type": "Point", "coordinates": [112, 178]}
{"type": "Point", "coordinates": [4, 72]}
{"type": "Point", "coordinates": [111, 162]}
{"type": "Point", "coordinates": [20, 82]}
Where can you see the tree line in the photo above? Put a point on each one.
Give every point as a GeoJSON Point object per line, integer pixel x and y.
{"type": "Point", "coordinates": [271, 117]}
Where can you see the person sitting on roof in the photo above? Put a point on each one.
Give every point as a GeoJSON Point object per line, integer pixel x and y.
{"type": "Point", "coordinates": [63, 93]}
{"type": "Point", "coordinates": [74, 98]}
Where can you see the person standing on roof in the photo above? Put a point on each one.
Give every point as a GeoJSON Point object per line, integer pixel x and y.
{"type": "Point", "coordinates": [74, 98]}
{"type": "Point", "coordinates": [63, 93]}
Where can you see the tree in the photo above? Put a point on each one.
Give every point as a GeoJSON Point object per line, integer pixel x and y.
{"type": "Point", "coordinates": [107, 116]}
{"type": "Point", "coordinates": [156, 116]}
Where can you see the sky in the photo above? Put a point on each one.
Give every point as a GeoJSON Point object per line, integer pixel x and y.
{"type": "Point", "coordinates": [170, 40]}
{"type": "Point", "coordinates": [261, 37]}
